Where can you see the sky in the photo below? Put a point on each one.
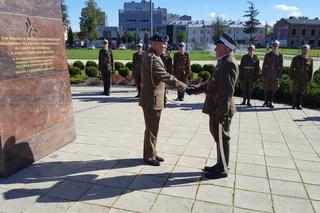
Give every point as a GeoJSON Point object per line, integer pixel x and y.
{"type": "Point", "coordinates": [269, 10]}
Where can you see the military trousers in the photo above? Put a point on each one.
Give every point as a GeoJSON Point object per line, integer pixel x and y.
{"type": "Point", "coordinates": [106, 78]}
{"type": "Point", "coordinates": [152, 120]}
{"type": "Point", "coordinates": [247, 86]}
{"type": "Point", "coordinates": [214, 130]}
{"type": "Point", "coordinates": [298, 88]}
{"type": "Point", "coordinates": [138, 83]}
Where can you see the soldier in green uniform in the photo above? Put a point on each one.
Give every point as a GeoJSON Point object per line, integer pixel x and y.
{"type": "Point", "coordinates": [272, 70]}
{"type": "Point", "coordinates": [154, 77]}
{"type": "Point", "coordinates": [136, 66]}
{"type": "Point", "coordinates": [106, 66]}
{"type": "Point", "coordinates": [167, 60]}
{"type": "Point", "coordinates": [300, 73]}
{"type": "Point", "coordinates": [248, 74]}
{"type": "Point", "coordinates": [219, 104]}
{"type": "Point", "coordinates": [181, 67]}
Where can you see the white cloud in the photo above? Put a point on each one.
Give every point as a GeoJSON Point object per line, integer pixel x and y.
{"type": "Point", "coordinates": [291, 10]}
{"type": "Point", "coordinates": [213, 15]}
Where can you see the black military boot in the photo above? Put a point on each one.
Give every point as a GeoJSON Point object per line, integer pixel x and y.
{"type": "Point", "coordinates": [299, 98]}
{"type": "Point", "coordinates": [266, 94]}
{"type": "Point", "coordinates": [294, 101]}
{"type": "Point", "coordinates": [244, 99]}
{"type": "Point", "coordinates": [270, 105]}
{"type": "Point", "coordinates": [219, 172]}
{"type": "Point", "coordinates": [249, 103]}
{"type": "Point", "coordinates": [217, 165]}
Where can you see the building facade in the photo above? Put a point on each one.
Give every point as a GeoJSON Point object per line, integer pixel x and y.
{"type": "Point", "coordinates": [135, 17]}
{"type": "Point", "coordinates": [293, 32]}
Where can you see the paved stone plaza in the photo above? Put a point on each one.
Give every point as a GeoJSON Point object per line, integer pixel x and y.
{"type": "Point", "coordinates": [275, 163]}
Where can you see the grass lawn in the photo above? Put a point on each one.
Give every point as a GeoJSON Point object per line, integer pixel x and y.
{"type": "Point", "coordinates": [291, 51]}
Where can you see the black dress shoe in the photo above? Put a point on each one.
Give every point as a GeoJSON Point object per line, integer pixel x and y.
{"type": "Point", "coordinates": [249, 104]}
{"type": "Point", "coordinates": [160, 159]}
{"type": "Point", "coordinates": [152, 162]}
{"type": "Point", "coordinates": [216, 175]}
{"type": "Point", "coordinates": [243, 103]}
{"type": "Point", "coordinates": [103, 93]}
{"type": "Point", "coordinates": [293, 107]}
{"type": "Point", "coordinates": [270, 105]}
{"type": "Point", "coordinates": [137, 96]}
{"type": "Point", "coordinates": [211, 168]}
{"type": "Point", "coordinates": [265, 104]}
{"type": "Point", "coordinates": [299, 107]}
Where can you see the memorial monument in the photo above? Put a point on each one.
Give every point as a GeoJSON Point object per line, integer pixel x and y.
{"type": "Point", "coordinates": [36, 115]}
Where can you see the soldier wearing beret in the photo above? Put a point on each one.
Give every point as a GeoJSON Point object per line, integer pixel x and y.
{"type": "Point", "coordinates": [300, 73]}
{"type": "Point", "coordinates": [219, 104]}
{"type": "Point", "coordinates": [248, 74]}
{"type": "Point", "coordinates": [154, 77]}
{"type": "Point", "coordinates": [181, 67]}
{"type": "Point", "coordinates": [106, 66]}
{"type": "Point", "coordinates": [136, 66]}
{"type": "Point", "coordinates": [272, 70]}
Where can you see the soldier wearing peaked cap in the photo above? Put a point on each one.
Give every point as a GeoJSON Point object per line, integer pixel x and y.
{"type": "Point", "coordinates": [219, 104]}
{"type": "Point", "coordinates": [106, 66]}
{"type": "Point", "coordinates": [167, 60]}
{"type": "Point", "coordinates": [152, 98]}
{"type": "Point", "coordinates": [248, 74]}
{"type": "Point", "coordinates": [301, 70]}
{"type": "Point", "coordinates": [181, 67]}
{"type": "Point", "coordinates": [272, 70]}
{"type": "Point", "coordinates": [136, 66]}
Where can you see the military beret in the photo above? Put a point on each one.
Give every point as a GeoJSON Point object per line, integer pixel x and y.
{"type": "Point", "coordinates": [252, 46]}
{"type": "Point", "coordinates": [227, 41]}
{"type": "Point", "coordinates": [305, 46]}
{"type": "Point", "coordinates": [275, 42]}
{"type": "Point", "coordinates": [160, 38]}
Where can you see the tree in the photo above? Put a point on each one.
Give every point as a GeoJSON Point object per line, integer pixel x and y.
{"type": "Point", "coordinates": [127, 37]}
{"type": "Point", "coordinates": [118, 38]}
{"type": "Point", "coordinates": [145, 38]}
{"type": "Point", "coordinates": [90, 19]}
{"type": "Point", "coordinates": [218, 26]}
{"type": "Point", "coordinates": [137, 37]}
{"type": "Point", "coordinates": [182, 35]}
{"type": "Point", "coordinates": [64, 11]}
{"type": "Point", "coordinates": [70, 37]}
{"type": "Point", "coordinates": [252, 23]}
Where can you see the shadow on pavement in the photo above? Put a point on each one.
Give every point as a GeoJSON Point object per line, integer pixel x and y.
{"type": "Point", "coordinates": [63, 172]}
{"type": "Point", "coordinates": [308, 119]}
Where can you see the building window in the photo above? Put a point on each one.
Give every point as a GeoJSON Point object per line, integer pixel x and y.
{"type": "Point", "coordinates": [303, 32]}
{"type": "Point", "coordinates": [294, 31]}
{"type": "Point", "coordinates": [292, 42]}
{"type": "Point", "coordinates": [318, 43]}
{"type": "Point", "coordinates": [311, 42]}
{"type": "Point", "coordinates": [313, 32]}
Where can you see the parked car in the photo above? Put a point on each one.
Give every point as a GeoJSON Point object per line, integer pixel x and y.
{"type": "Point", "coordinates": [122, 47]}
{"type": "Point", "coordinates": [91, 47]}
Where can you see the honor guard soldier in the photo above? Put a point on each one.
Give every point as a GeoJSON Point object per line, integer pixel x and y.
{"type": "Point", "coordinates": [248, 74]}
{"type": "Point", "coordinates": [152, 98]}
{"type": "Point", "coordinates": [167, 60]}
{"type": "Point", "coordinates": [106, 66]}
{"type": "Point", "coordinates": [136, 66]}
{"type": "Point", "coordinates": [300, 73]}
{"type": "Point", "coordinates": [181, 67]}
{"type": "Point", "coordinates": [272, 70]}
{"type": "Point", "coordinates": [219, 104]}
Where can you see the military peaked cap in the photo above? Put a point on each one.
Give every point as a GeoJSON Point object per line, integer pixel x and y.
{"type": "Point", "coordinates": [227, 41]}
{"type": "Point", "coordinates": [305, 46]}
{"type": "Point", "coordinates": [160, 38]}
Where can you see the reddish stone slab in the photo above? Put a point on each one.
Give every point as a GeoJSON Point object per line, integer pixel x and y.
{"type": "Point", "coordinates": [36, 115]}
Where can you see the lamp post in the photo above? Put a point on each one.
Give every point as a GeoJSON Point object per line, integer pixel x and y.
{"type": "Point", "coordinates": [151, 19]}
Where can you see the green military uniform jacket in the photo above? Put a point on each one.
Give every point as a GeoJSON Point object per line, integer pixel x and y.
{"type": "Point", "coordinates": [301, 69]}
{"type": "Point", "coordinates": [136, 64]}
{"type": "Point", "coordinates": [181, 66]}
{"type": "Point", "coordinates": [272, 69]}
{"type": "Point", "coordinates": [249, 68]}
{"type": "Point", "coordinates": [153, 79]}
{"type": "Point", "coordinates": [219, 89]}
{"type": "Point", "coordinates": [106, 62]}
{"type": "Point", "coordinates": [167, 60]}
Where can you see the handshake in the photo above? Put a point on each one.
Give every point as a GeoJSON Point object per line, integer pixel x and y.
{"type": "Point", "coordinates": [191, 89]}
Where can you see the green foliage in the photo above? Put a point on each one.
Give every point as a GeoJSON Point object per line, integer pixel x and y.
{"type": "Point", "coordinates": [118, 38]}
{"type": "Point", "coordinates": [127, 37]}
{"type": "Point", "coordinates": [193, 76]}
{"type": "Point", "coordinates": [79, 64]}
{"type": "Point", "coordinates": [91, 64]}
{"type": "Point", "coordinates": [209, 68]}
{"type": "Point", "coordinates": [205, 75]}
{"type": "Point", "coordinates": [316, 77]}
{"type": "Point", "coordinates": [145, 38]}
{"type": "Point", "coordinates": [129, 65]}
{"type": "Point", "coordinates": [218, 26]}
{"type": "Point", "coordinates": [196, 68]}
{"type": "Point", "coordinates": [182, 35]}
{"type": "Point", "coordinates": [74, 71]}
{"type": "Point", "coordinates": [64, 11]}
{"type": "Point", "coordinates": [124, 71]}
{"type": "Point", "coordinates": [118, 65]}
{"type": "Point", "coordinates": [78, 79]}
{"type": "Point", "coordinates": [92, 71]}
{"type": "Point", "coordinates": [90, 18]}
{"type": "Point", "coordinates": [70, 37]}
{"type": "Point", "coordinates": [253, 22]}
{"type": "Point", "coordinates": [286, 70]}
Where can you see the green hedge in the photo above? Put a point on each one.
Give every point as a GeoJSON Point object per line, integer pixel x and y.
{"type": "Point", "coordinates": [74, 71]}
{"type": "Point", "coordinates": [91, 64]}
{"type": "Point", "coordinates": [118, 65]}
{"type": "Point", "coordinates": [79, 64]}
{"type": "Point", "coordinates": [209, 68]}
{"type": "Point", "coordinates": [196, 68]}
{"type": "Point", "coordinates": [204, 74]}
{"type": "Point", "coordinates": [92, 71]}
{"type": "Point", "coordinates": [124, 71]}
{"type": "Point", "coordinates": [129, 65]}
